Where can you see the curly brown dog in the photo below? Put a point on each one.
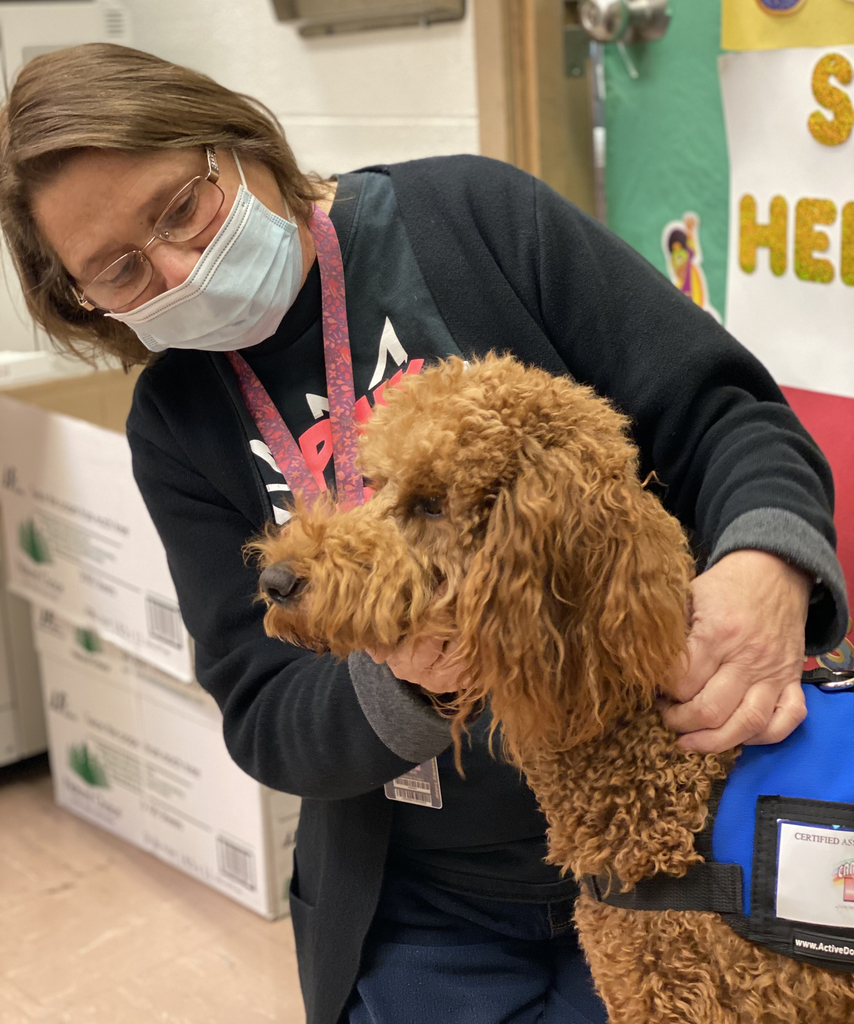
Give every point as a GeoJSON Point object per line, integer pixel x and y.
{"type": "Point", "coordinates": [507, 513]}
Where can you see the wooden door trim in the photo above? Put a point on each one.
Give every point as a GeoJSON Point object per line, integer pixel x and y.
{"type": "Point", "coordinates": [531, 113]}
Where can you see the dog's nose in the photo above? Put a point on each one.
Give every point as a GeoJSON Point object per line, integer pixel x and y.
{"type": "Point", "coordinates": [279, 584]}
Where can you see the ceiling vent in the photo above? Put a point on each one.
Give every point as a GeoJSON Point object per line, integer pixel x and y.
{"type": "Point", "coordinates": [323, 17]}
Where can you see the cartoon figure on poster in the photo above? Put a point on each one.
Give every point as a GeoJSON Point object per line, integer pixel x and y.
{"type": "Point", "coordinates": [680, 242]}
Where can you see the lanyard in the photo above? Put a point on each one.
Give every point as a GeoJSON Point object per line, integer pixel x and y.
{"type": "Point", "coordinates": [339, 385]}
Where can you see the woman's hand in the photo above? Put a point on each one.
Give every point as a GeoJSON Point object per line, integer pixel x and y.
{"type": "Point", "coordinates": [742, 683]}
{"type": "Point", "coordinates": [423, 661]}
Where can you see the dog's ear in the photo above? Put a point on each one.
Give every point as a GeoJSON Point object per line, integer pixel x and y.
{"type": "Point", "coordinates": [573, 613]}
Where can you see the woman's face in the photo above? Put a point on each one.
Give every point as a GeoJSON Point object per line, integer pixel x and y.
{"type": "Point", "coordinates": [103, 203]}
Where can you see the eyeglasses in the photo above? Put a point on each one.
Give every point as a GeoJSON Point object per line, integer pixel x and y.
{"type": "Point", "coordinates": [187, 215]}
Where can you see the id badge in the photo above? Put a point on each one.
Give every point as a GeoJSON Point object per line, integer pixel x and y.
{"type": "Point", "coordinates": [418, 786]}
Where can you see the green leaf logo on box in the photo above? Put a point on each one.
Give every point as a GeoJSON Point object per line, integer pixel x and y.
{"type": "Point", "coordinates": [85, 764]}
{"type": "Point", "coordinates": [89, 641]}
{"type": "Point", "coordinates": [32, 541]}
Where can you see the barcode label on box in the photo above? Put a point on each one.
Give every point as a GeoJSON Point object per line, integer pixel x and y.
{"type": "Point", "coordinates": [164, 621]}
{"type": "Point", "coordinates": [235, 862]}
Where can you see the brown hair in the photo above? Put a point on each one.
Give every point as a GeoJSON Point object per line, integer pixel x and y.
{"type": "Point", "coordinates": [101, 96]}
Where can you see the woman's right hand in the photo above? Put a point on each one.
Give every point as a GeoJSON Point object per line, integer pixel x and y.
{"type": "Point", "coordinates": [425, 661]}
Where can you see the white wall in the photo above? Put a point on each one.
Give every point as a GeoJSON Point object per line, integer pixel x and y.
{"type": "Point", "coordinates": [345, 101]}
{"type": "Point", "coordinates": [17, 330]}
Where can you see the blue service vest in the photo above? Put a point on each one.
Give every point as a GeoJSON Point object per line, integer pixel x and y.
{"type": "Point", "coordinates": [815, 763]}
{"type": "Point", "coordinates": [781, 870]}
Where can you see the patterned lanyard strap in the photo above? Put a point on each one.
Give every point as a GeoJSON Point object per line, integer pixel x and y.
{"type": "Point", "coordinates": [339, 385]}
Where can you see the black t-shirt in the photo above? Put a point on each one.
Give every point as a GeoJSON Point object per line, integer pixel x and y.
{"type": "Point", "coordinates": [393, 322]}
{"type": "Point", "coordinates": [488, 837]}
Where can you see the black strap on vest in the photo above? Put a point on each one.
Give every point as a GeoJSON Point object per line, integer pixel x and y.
{"type": "Point", "coordinates": [707, 886]}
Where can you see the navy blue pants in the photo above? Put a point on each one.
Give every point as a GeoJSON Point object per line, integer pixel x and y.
{"type": "Point", "coordinates": [434, 957]}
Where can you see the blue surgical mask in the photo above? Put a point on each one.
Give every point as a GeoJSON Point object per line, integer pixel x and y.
{"type": "Point", "coordinates": [242, 286]}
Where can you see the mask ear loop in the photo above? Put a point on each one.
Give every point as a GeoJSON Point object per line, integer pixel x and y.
{"type": "Point", "coordinates": [243, 179]}
{"type": "Point", "coordinates": [240, 169]}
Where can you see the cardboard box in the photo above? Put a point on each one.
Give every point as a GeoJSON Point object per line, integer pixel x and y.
{"type": "Point", "coordinates": [78, 537]}
{"type": "Point", "coordinates": [138, 753]}
{"type": "Point", "coordinates": [101, 397]}
{"type": "Point", "coordinates": [135, 748]}
{"type": "Point", "coordinates": [22, 725]}
{"type": "Point", "coordinates": [56, 383]}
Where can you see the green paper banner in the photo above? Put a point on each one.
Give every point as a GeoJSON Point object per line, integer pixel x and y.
{"type": "Point", "coordinates": [666, 145]}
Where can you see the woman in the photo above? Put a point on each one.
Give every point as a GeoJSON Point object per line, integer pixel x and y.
{"type": "Point", "coordinates": [149, 210]}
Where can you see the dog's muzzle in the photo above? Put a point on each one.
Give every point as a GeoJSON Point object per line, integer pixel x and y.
{"type": "Point", "coordinates": [280, 585]}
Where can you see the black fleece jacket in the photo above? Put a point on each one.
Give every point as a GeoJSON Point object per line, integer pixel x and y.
{"type": "Point", "coordinates": [511, 266]}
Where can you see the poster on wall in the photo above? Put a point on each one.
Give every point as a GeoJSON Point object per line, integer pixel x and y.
{"type": "Point", "coordinates": [775, 24]}
{"type": "Point", "coordinates": [790, 278]}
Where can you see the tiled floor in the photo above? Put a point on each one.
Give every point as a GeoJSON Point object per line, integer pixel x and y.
{"type": "Point", "coordinates": [93, 931]}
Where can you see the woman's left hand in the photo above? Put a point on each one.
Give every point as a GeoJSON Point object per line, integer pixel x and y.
{"type": "Point", "coordinates": [424, 661]}
{"type": "Point", "coordinates": [742, 683]}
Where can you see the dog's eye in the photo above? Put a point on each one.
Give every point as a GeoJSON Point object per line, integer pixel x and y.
{"type": "Point", "coordinates": [428, 506]}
